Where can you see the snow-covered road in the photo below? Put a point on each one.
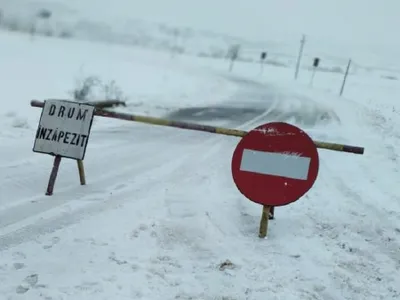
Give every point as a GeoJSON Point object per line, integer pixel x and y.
{"type": "Point", "coordinates": [120, 159]}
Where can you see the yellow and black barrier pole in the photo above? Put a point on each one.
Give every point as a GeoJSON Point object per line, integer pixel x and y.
{"type": "Point", "coordinates": [205, 128]}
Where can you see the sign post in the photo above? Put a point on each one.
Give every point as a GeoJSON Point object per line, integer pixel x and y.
{"type": "Point", "coordinates": [274, 165]}
{"type": "Point", "coordinates": [81, 170]}
{"type": "Point", "coordinates": [315, 66]}
{"type": "Point", "coordinates": [263, 56]}
{"type": "Point", "coordinates": [63, 131]}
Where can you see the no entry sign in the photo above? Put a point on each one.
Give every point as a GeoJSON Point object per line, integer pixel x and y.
{"type": "Point", "coordinates": [275, 164]}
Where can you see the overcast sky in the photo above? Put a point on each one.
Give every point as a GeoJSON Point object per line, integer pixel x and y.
{"type": "Point", "coordinates": [357, 21]}
{"type": "Point", "coordinates": [361, 21]}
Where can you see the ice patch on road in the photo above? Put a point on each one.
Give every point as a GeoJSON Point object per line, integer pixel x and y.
{"type": "Point", "coordinates": [304, 113]}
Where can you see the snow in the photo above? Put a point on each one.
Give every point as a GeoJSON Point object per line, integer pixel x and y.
{"type": "Point", "coordinates": [330, 27]}
{"type": "Point", "coordinates": [160, 217]}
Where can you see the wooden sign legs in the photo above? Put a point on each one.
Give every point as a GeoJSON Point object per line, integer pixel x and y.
{"type": "Point", "coordinates": [54, 173]}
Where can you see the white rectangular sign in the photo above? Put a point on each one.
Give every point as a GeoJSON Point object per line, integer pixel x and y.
{"type": "Point", "coordinates": [64, 128]}
{"type": "Point", "coordinates": [275, 164]}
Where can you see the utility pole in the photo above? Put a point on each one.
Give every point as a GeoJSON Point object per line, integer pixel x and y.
{"type": "Point", "coordinates": [345, 77]}
{"type": "Point", "coordinates": [302, 42]}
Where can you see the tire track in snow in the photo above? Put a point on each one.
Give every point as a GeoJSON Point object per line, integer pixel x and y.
{"type": "Point", "coordinates": [169, 173]}
{"type": "Point", "coordinates": [20, 180]}
{"type": "Point", "coordinates": [205, 210]}
{"type": "Point", "coordinates": [213, 150]}
{"type": "Point", "coordinates": [35, 206]}
{"type": "Point", "coordinates": [116, 196]}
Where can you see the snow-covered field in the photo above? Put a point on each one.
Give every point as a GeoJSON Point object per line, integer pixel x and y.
{"type": "Point", "coordinates": [180, 26]}
{"type": "Point", "coordinates": [160, 213]}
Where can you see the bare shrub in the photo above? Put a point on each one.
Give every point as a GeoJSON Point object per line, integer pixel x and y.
{"type": "Point", "coordinates": [44, 14]}
{"type": "Point", "coordinates": [113, 92]}
{"type": "Point", "coordinates": [93, 89]}
{"type": "Point", "coordinates": [233, 52]}
{"type": "Point", "coordinates": [83, 89]}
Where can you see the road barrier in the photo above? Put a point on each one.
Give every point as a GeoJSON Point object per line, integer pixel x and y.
{"type": "Point", "coordinates": [205, 128]}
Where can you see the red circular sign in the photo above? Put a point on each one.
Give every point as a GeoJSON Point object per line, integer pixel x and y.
{"type": "Point", "coordinates": [275, 164]}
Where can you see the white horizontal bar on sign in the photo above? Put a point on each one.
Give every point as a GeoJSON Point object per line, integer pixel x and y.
{"type": "Point", "coordinates": [275, 164]}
